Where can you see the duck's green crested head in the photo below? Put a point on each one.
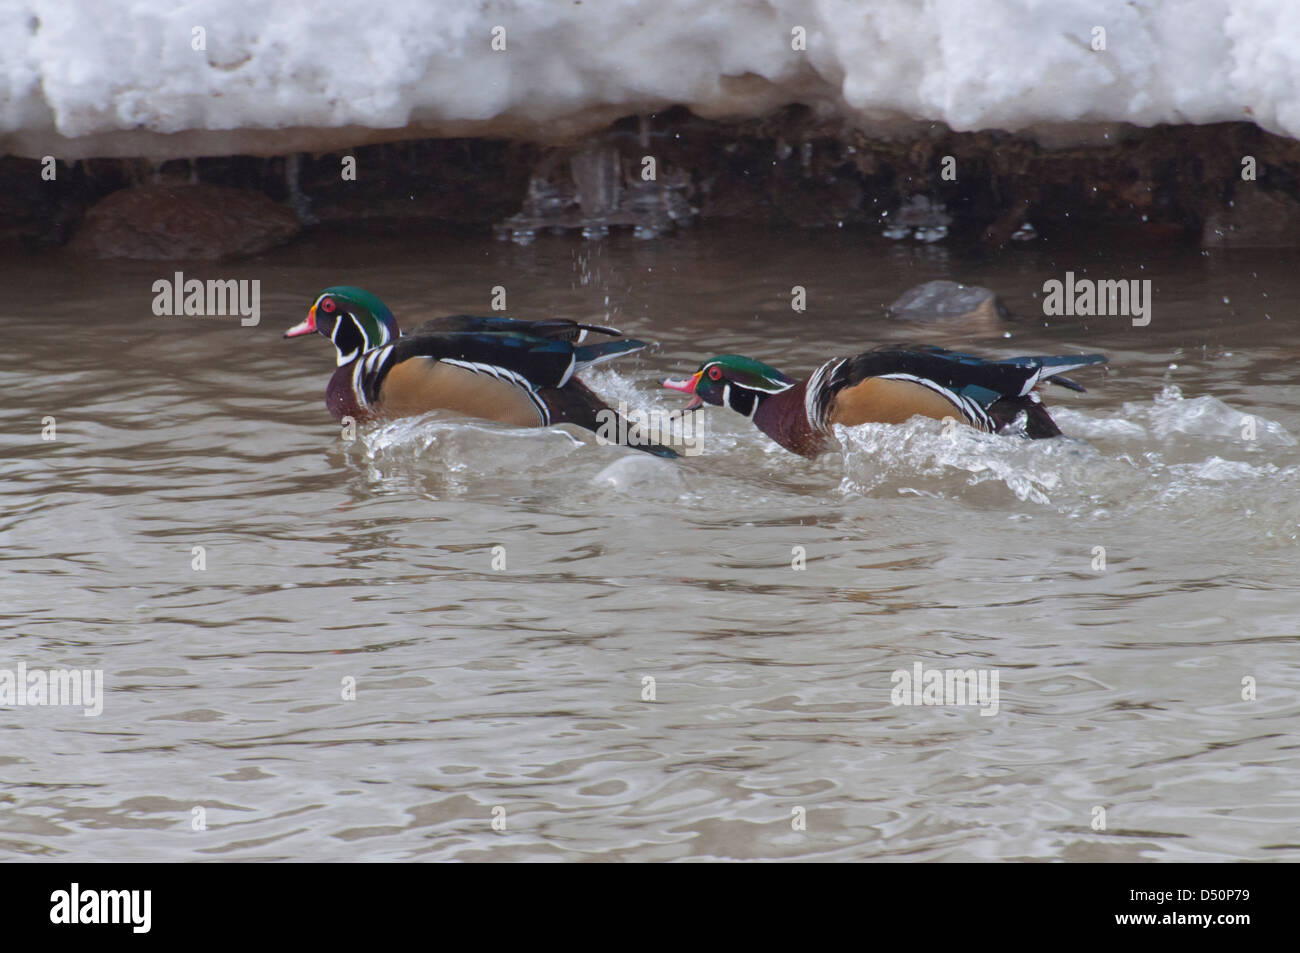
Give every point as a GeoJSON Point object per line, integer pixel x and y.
{"type": "Point", "coordinates": [353, 318]}
{"type": "Point", "coordinates": [732, 380]}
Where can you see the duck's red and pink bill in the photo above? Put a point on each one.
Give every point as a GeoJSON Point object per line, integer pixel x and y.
{"type": "Point", "coordinates": [686, 387]}
{"type": "Point", "coordinates": [306, 326]}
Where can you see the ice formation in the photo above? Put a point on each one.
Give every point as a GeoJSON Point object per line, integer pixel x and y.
{"type": "Point", "coordinates": [152, 77]}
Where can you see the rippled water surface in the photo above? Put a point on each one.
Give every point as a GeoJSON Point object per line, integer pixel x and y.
{"type": "Point", "coordinates": [519, 692]}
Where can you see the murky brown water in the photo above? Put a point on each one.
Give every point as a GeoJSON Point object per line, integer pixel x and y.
{"type": "Point", "coordinates": [522, 689]}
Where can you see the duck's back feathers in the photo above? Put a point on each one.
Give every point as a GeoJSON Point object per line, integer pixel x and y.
{"type": "Point", "coordinates": [557, 329]}
{"type": "Point", "coordinates": [1010, 376]}
{"type": "Point", "coordinates": [542, 362]}
{"type": "Point", "coordinates": [890, 384]}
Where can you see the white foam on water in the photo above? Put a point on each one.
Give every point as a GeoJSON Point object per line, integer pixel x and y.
{"type": "Point", "coordinates": [1182, 457]}
{"type": "Point", "coordinates": [1162, 450]}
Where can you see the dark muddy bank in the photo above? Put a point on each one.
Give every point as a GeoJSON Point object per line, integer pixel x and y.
{"type": "Point", "coordinates": [1226, 184]}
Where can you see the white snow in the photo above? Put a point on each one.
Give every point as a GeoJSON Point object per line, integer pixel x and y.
{"type": "Point", "coordinates": [121, 77]}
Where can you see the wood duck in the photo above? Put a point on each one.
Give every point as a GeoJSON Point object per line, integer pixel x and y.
{"type": "Point", "coordinates": [886, 385]}
{"type": "Point", "coordinates": [494, 368]}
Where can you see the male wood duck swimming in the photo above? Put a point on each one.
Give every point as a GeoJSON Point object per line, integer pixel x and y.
{"type": "Point", "coordinates": [886, 385]}
{"type": "Point", "coordinates": [495, 368]}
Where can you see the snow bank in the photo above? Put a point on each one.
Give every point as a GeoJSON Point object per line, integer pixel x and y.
{"type": "Point", "coordinates": [123, 77]}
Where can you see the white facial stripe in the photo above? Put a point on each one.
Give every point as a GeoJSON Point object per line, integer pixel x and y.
{"type": "Point", "coordinates": [753, 402]}
{"type": "Point", "coordinates": [769, 386]}
{"type": "Point", "coordinates": [334, 339]}
{"type": "Point", "coordinates": [774, 387]}
{"type": "Point", "coordinates": [338, 323]}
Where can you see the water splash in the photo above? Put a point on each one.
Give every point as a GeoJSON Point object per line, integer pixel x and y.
{"type": "Point", "coordinates": [1184, 456]}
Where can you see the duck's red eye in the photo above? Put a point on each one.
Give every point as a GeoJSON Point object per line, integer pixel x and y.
{"type": "Point", "coordinates": [715, 373]}
{"type": "Point", "coordinates": [327, 305]}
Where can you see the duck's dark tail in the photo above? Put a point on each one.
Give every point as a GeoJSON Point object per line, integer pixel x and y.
{"type": "Point", "coordinates": [1038, 423]}
{"type": "Point", "coordinates": [555, 329]}
{"type": "Point", "coordinates": [585, 355]}
{"type": "Point", "coordinates": [576, 403]}
{"type": "Point", "coordinates": [1054, 367]}
{"type": "Point", "coordinates": [1034, 420]}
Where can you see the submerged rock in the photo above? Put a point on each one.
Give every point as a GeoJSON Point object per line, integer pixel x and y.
{"type": "Point", "coordinates": [948, 301]}
{"type": "Point", "coordinates": [1255, 219]}
{"type": "Point", "coordinates": [184, 221]}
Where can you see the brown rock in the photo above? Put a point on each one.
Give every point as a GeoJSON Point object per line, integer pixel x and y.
{"type": "Point", "coordinates": [184, 221]}
{"type": "Point", "coordinates": [942, 300]}
{"type": "Point", "coordinates": [967, 308]}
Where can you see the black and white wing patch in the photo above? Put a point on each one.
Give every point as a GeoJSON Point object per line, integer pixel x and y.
{"type": "Point", "coordinates": [975, 415]}
{"type": "Point", "coordinates": [821, 388]}
{"type": "Point", "coordinates": [368, 373]}
{"type": "Point", "coordinates": [509, 377]}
